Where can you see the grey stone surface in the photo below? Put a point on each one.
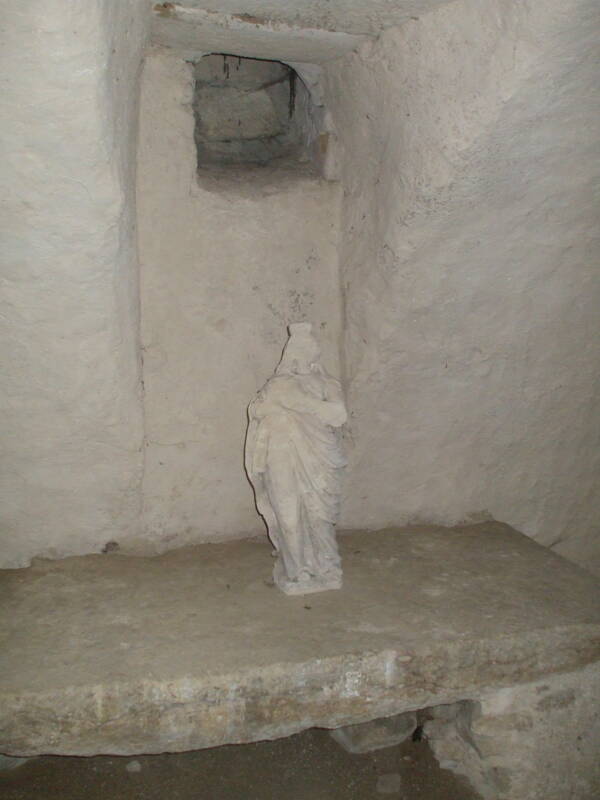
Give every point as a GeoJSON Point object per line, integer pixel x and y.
{"type": "Point", "coordinates": [537, 741]}
{"type": "Point", "coordinates": [377, 734]}
{"type": "Point", "coordinates": [195, 648]}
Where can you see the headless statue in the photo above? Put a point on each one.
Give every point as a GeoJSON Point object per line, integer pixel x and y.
{"type": "Point", "coordinates": [294, 460]}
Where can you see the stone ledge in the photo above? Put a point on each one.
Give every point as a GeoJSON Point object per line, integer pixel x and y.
{"type": "Point", "coordinates": [195, 648]}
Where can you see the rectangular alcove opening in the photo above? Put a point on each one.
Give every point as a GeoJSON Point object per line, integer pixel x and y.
{"type": "Point", "coordinates": [255, 112]}
{"type": "Point", "coordinates": [238, 238]}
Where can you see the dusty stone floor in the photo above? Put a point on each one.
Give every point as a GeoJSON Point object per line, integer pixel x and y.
{"type": "Point", "coordinates": [307, 766]}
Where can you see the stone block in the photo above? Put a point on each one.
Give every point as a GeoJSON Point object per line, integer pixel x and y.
{"type": "Point", "coordinates": [377, 734]}
{"type": "Point", "coordinates": [535, 741]}
{"type": "Point", "coordinates": [196, 648]}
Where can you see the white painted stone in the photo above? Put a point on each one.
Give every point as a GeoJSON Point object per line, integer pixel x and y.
{"type": "Point", "coordinates": [227, 261]}
{"type": "Point", "coordinates": [192, 32]}
{"type": "Point", "coordinates": [469, 269]}
{"type": "Point", "coordinates": [294, 461]}
{"type": "Point", "coordinates": [353, 16]}
{"type": "Point", "coordinates": [71, 408]}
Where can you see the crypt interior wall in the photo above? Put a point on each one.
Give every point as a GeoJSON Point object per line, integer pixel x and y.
{"type": "Point", "coordinates": [469, 265]}
{"type": "Point", "coordinates": [71, 463]}
{"type": "Point", "coordinates": [227, 260]}
{"type": "Point", "coordinates": [454, 266]}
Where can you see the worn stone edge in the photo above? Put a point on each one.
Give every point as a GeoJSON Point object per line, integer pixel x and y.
{"type": "Point", "coordinates": [276, 700]}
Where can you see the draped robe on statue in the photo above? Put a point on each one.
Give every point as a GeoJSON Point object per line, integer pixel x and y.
{"type": "Point", "coordinates": [294, 460]}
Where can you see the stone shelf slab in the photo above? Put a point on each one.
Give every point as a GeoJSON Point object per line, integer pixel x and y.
{"type": "Point", "coordinates": [196, 648]}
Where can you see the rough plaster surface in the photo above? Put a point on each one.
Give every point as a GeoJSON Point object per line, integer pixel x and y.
{"type": "Point", "coordinates": [71, 411]}
{"type": "Point", "coordinates": [192, 32]}
{"type": "Point", "coordinates": [227, 261]}
{"type": "Point", "coordinates": [537, 741]}
{"type": "Point", "coordinates": [115, 654]}
{"type": "Point", "coordinates": [351, 16]}
{"type": "Point", "coordinates": [470, 270]}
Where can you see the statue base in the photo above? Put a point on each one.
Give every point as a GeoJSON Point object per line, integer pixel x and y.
{"type": "Point", "coordinates": [308, 584]}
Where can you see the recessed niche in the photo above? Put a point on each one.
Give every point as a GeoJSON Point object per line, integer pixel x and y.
{"type": "Point", "coordinates": [251, 111]}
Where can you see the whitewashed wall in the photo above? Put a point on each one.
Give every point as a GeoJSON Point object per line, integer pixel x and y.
{"type": "Point", "coordinates": [71, 410]}
{"type": "Point", "coordinates": [469, 281]}
{"type": "Point", "coordinates": [470, 270]}
{"type": "Point", "coordinates": [226, 264]}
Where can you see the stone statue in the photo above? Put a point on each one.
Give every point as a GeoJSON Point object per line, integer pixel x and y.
{"type": "Point", "coordinates": [294, 460]}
